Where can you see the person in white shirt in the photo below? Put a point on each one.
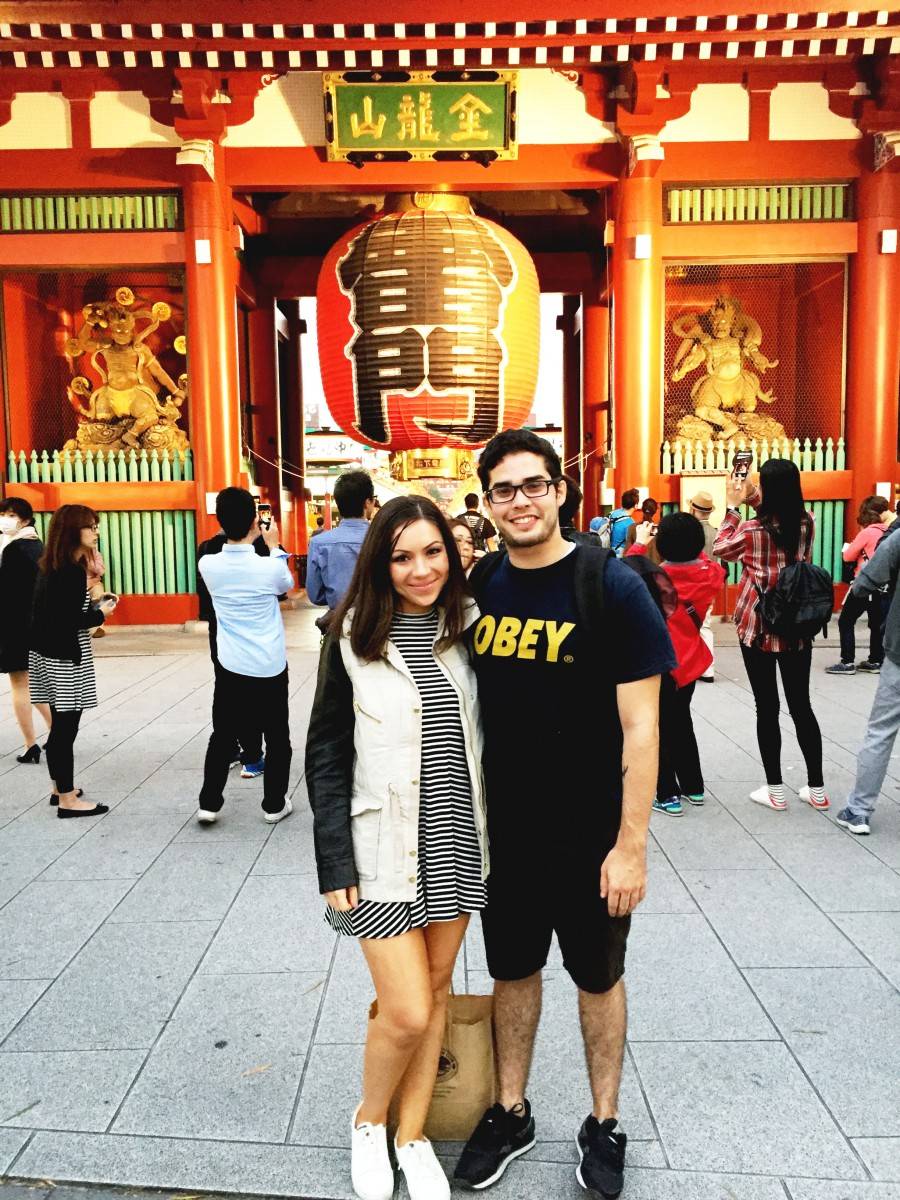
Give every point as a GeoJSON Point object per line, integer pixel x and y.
{"type": "Point", "coordinates": [252, 675]}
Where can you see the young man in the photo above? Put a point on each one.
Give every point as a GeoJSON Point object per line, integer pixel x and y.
{"type": "Point", "coordinates": [884, 720]}
{"type": "Point", "coordinates": [483, 532]}
{"type": "Point", "coordinates": [333, 554]}
{"type": "Point", "coordinates": [567, 828]}
{"type": "Point", "coordinates": [621, 520]}
{"type": "Point", "coordinates": [251, 677]}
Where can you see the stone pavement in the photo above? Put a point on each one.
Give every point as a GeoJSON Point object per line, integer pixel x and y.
{"type": "Point", "coordinates": [175, 1014]}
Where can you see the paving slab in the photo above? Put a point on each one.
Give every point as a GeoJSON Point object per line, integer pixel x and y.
{"type": "Point", "coordinates": [65, 1090]}
{"type": "Point", "coordinates": [881, 1156]}
{"type": "Point", "coordinates": [665, 891]}
{"type": "Point", "coordinates": [11, 1142]}
{"type": "Point", "coordinates": [707, 837]}
{"type": "Point", "coordinates": [816, 1189]}
{"type": "Point", "coordinates": [189, 881]}
{"type": "Point", "coordinates": [116, 848]}
{"type": "Point", "coordinates": [878, 937]}
{"type": "Point", "coordinates": [764, 919]}
{"type": "Point", "coordinates": [275, 924]}
{"type": "Point", "coordinates": [16, 998]}
{"type": "Point", "coordinates": [143, 968]}
{"type": "Point", "coordinates": [47, 923]}
{"type": "Point", "coordinates": [230, 1061]}
{"type": "Point", "coordinates": [844, 1027]}
{"type": "Point", "coordinates": [751, 1110]}
{"type": "Point", "coordinates": [683, 986]}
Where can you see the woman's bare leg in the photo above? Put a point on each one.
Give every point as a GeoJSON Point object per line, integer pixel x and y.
{"type": "Point", "coordinates": [442, 942]}
{"type": "Point", "coordinates": [400, 972]}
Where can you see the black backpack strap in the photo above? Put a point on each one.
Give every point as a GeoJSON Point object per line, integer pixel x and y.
{"type": "Point", "coordinates": [693, 614]}
{"type": "Point", "coordinates": [483, 571]}
{"type": "Point", "coordinates": [590, 567]}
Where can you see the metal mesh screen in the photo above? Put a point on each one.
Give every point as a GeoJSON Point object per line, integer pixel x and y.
{"type": "Point", "coordinates": [41, 311]}
{"type": "Point", "coordinates": [752, 349]}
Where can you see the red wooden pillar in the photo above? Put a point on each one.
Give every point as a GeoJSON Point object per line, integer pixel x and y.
{"type": "Point", "coordinates": [595, 413]}
{"type": "Point", "coordinates": [212, 334]}
{"type": "Point", "coordinates": [873, 359]}
{"type": "Point", "coordinates": [264, 399]}
{"type": "Point", "coordinates": [570, 326]}
{"type": "Point", "coordinates": [637, 328]}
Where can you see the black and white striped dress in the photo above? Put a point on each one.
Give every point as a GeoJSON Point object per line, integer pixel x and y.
{"type": "Point", "coordinates": [449, 879]}
{"type": "Point", "coordinates": [67, 686]}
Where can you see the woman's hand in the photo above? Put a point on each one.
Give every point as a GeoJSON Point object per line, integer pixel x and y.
{"type": "Point", "coordinates": [644, 533]}
{"type": "Point", "coordinates": [736, 491]}
{"type": "Point", "coordinates": [107, 606]}
{"type": "Point", "coordinates": [344, 899]}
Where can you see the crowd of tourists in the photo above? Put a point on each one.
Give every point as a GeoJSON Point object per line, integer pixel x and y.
{"type": "Point", "coordinates": [444, 661]}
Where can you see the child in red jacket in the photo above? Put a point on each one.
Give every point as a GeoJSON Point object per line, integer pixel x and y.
{"type": "Point", "coordinates": [679, 543]}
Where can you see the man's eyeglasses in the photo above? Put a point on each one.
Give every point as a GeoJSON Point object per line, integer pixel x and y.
{"type": "Point", "coordinates": [534, 489]}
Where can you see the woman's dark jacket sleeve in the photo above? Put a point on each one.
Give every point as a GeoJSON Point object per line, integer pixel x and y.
{"type": "Point", "coordinates": [59, 613]}
{"type": "Point", "coordinates": [329, 770]}
{"type": "Point", "coordinates": [18, 573]}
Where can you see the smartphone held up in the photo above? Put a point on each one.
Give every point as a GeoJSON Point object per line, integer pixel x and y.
{"type": "Point", "coordinates": [740, 465]}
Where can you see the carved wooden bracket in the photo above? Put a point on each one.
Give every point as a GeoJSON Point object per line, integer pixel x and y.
{"type": "Point", "coordinates": [649, 96]}
{"type": "Point", "coordinates": [7, 95]}
{"type": "Point", "coordinates": [204, 104]}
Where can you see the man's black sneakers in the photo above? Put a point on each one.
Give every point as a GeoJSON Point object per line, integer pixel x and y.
{"type": "Point", "coordinates": [602, 1152]}
{"type": "Point", "coordinates": [499, 1137]}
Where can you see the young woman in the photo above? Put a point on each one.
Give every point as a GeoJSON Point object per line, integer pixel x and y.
{"type": "Point", "coordinates": [870, 518]}
{"type": "Point", "coordinates": [781, 532]}
{"type": "Point", "coordinates": [61, 663]}
{"type": "Point", "coordinates": [465, 543]}
{"type": "Point", "coordinates": [393, 766]}
{"type": "Point", "coordinates": [20, 550]}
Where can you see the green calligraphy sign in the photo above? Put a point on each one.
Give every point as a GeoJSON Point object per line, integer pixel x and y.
{"type": "Point", "coordinates": [420, 117]}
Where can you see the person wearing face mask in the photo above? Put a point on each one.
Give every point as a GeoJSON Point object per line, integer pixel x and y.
{"type": "Point", "coordinates": [20, 550]}
{"type": "Point", "coordinates": [393, 766]}
{"type": "Point", "coordinates": [61, 661]}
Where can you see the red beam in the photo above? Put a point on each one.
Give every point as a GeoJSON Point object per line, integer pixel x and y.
{"type": "Point", "coordinates": [759, 241]}
{"type": "Point", "coordinates": [305, 169]}
{"type": "Point", "coordinates": [760, 162]}
{"type": "Point", "coordinates": [149, 609]}
{"type": "Point", "coordinates": [100, 170]}
{"type": "Point", "coordinates": [108, 497]}
{"type": "Point", "coordinates": [90, 249]}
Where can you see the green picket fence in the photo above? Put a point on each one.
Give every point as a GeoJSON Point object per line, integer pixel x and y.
{"type": "Point", "coordinates": [829, 540]}
{"type": "Point", "coordinates": [64, 466]}
{"type": "Point", "coordinates": [682, 455]}
{"type": "Point", "coordinates": [145, 552]}
{"type": "Point", "coordinates": [84, 212]}
{"type": "Point", "coordinates": [754, 203]}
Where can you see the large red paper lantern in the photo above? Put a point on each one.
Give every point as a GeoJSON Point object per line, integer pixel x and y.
{"type": "Point", "coordinates": [429, 327]}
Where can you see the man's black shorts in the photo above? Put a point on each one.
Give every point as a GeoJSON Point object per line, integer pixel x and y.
{"type": "Point", "coordinates": [536, 891]}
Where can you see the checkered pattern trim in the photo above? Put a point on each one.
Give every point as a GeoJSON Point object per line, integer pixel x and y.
{"type": "Point", "coordinates": [446, 45]}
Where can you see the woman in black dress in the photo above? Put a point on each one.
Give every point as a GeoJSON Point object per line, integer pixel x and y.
{"type": "Point", "coordinates": [20, 550]}
{"type": "Point", "coordinates": [61, 662]}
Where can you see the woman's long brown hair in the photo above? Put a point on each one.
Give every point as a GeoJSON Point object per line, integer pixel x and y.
{"type": "Point", "coordinates": [64, 537]}
{"type": "Point", "coordinates": [371, 594]}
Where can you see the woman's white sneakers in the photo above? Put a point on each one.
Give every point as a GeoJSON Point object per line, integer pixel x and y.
{"type": "Point", "coordinates": [425, 1178]}
{"type": "Point", "coordinates": [370, 1166]}
{"type": "Point", "coordinates": [763, 796]}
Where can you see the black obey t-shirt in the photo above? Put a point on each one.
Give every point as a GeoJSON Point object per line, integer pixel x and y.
{"type": "Point", "coordinates": [547, 685]}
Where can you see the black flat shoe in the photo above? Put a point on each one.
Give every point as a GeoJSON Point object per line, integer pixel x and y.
{"type": "Point", "coordinates": [97, 811]}
{"type": "Point", "coordinates": [31, 755]}
{"type": "Point", "coordinates": [54, 798]}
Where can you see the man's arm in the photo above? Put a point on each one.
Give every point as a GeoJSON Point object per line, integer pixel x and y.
{"type": "Point", "coordinates": [315, 583]}
{"type": "Point", "coordinates": [881, 567]}
{"type": "Point", "coordinates": [623, 876]}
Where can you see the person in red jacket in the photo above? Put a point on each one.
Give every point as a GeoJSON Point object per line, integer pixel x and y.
{"type": "Point", "coordinates": [871, 530]}
{"type": "Point", "coordinates": [679, 543]}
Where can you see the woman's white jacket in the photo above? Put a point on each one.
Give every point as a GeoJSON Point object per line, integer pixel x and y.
{"type": "Point", "coordinates": [363, 765]}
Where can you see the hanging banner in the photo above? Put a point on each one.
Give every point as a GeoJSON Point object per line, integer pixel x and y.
{"type": "Point", "coordinates": [417, 115]}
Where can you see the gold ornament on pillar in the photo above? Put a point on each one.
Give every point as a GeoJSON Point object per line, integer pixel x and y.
{"type": "Point", "coordinates": [125, 411]}
{"type": "Point", "coordinates": [725, 341]}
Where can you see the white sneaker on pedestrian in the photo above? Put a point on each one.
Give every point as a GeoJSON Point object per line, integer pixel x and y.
{"type": "Point", "coordinates": [425, 1178]}
{"type": "Point", "coordinates": [206, 817]}
{"type": "Point", "coordinates": [272, 818]}
{"type": "Point", "coordinates": [763, 796]}
{"type": "Point", "coordinates": [371, 1172]}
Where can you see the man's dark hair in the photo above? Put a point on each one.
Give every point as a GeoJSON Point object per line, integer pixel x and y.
{"type": "Point", "coordinates": [571, 504]}
{"type": "Point", "coordinates": [516, 441]}
{"type": "Point", "coordinates": [371, 595]}
{"type": "Point", "coordinates": [351, 492]}
{"type": "Point", "coordinates": [471, 500]}
{"type": "Point", "coordinates": [235, 512]}
{"type": "Point", "coordinates": [630, 498]}
{"type": "Point", "coordinates": [680, 538]}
